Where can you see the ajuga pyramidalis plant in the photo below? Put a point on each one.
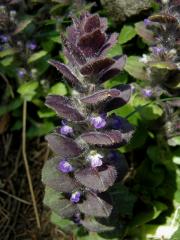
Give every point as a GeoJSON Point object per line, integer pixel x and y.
{"type": "Point", "coordinates": [163, 62]}
{"type": "Point", "coordinates": [86, 163]}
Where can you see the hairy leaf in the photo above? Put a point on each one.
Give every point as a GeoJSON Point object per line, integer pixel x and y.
{"type": "Point", "coordinates": [90, 43]}
{"type": "Point", "coordinates": [125, 94]}
{"type": "Point", "coordinates": [74, 52]}
{"type": "Point", "coordinates": [67, 73]}
{"type": "Point", "coordinates": [94, 226]}
{"type": "Point", "coordinates": [109, 138]}
{"type": "Point", "coordinates": [113, 70]}
{"type": "Point", "coordinates": [65, 147]}
{"type": "Point", "coordinates": [97, 179]}
{"type": "Point", "coordinates": [63, 107]}
{"type": "Point", "coordinates": [111, 41]}
{"type": "Point", "coordinates": [95, 206]}
{"type": "Point", "coordinates": [61, 206]}
{"type": "Point", "coordinates": [92, 23]}
{"type": "Point", "coordinates": [57, 180]}
{"type": "Point", "coordinates": [96, 66]}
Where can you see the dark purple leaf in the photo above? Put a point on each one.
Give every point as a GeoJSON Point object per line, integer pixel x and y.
{"type": "Point", "coordinates": [57, 180]}
{"type": "Point", "coordinates": [119, 101]}
{"type": "Point", "coordinates": [119, 162]}
{"type": "Point", "coordinates": [108, 44]}
{"type": "Point", "coordinates": [95, 206]}
{"type": "Point", "coordinates": [96, 66]}
{"type": "Point", "coordinates": [63, 146]}
{"type": "Point", "coordinates": [92, 23]}
{"type": "Point", "coordinates": [74, 52]}
{"type": "Point", "coordinates": [62, 68]}
{"type": "Point", "coordinates": [62, 106]}
{"type": "Point", "coordinates": [94, 226]}
{"type": "Point", "coordinates": [72, 34]}
{"type": "Point", "coordinates": [101, 96]}
{"type": "Point", "coordinates": [97, 179]}
{"type": "Point", "coordinates": [113, 70]}
{"type": "Point", "coordinates": [108, 138]}
{"type": "Point", "coordinates": [90, 43]}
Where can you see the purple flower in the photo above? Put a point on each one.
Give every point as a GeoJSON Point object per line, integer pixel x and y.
{"type": "Point", "coordinates": [98, 122]}
{"type": "Point", "coordinates": [65, 167]}
{"type": "Point", "coordinates": [31, 45]}
{"type": "Point", "coordinates": [4, 38]}
{"type": "Point", "coordinates": [21, 73]}
{"type": "Point", "coordinates": [75, 197]}
{"type": "Point", "coordinates": [147, 92]}
{"type": "Point", "coordinates": [157, 50]}
{"type": "Point", "coordinates": [116, 122]}
{"type": "Point", "coordinates": [65, 130]}
{"type": "Point", "coordinates": [95, 159]}
{"type": "Point", "coordinates": [147, 22]}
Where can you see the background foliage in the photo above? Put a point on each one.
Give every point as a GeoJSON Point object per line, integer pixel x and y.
{"type": "Point", "coordinates": [149, 200]}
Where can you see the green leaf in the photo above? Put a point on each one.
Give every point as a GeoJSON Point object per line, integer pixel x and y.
{"type": "Point", "coordinates": [164, 65]}
{"type": "Point", "coordinates": [123, 200]}
{"type": "Point", "coordinates": [16, 103]}
{"type": "Point", "coordinates": [58, 89]}
{"type": "Point", "coordinates": [7, 52]}
{"type": "Point", "coordinates": [174, 141]}
{"type": "Point", "coordinates": [35, 56]}
{"type": "Point", "coordinates": [63, 224]}
{"type": "Point", "coordinates": [46, 113]}
{"type": "Point", "coordinates": [150, 111]}
{"type": "Point", "coordinates": [127, 33]}
{"type": "Point", "coordinates": [135, 68]}
{"type": "Point", "coordinates": [27, 90]}
{"type": "Point", "coordinates": [115, 50]}
{"type": "Point", "coordinates": [23, 24]}
{"type": "Point", "coordinates": [40, 129]}
{"type": "Point", "coordinates": [176, 157]}
{"type": "Point", "coordinates": [7, 61]}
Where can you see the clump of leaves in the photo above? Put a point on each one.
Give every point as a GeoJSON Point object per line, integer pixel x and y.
{"type": "Point", "coordinates": [163, 63]}
{"type": "Point", "coordinates": [86, 163]}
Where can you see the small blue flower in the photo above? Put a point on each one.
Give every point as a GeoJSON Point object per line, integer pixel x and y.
{"type": "Point", "coordinates": [147, 22]}
{"type": "Point", "coordinates": [147, 92]}
{"type": "Point", "coordinates": [21, 73]}
{"type": "Point", "coordinates": [65, 167]}
{"type": "Point", "coordinates": [4, 38]}
{"type": "Point", "coordinates": [31, 45]}
{"type": "Point", "coordinates": [157, 50]}
{"type": "Point", "coordinates": [95, 159]}
{"type": "Point", "coordinates": [65, 130]}
{"type": "Point", "coordinates": [75, 197]}
{"type": "Point", "coordinates": [116, 122]}
{"type": "Point", "coordinates": [98, 122]}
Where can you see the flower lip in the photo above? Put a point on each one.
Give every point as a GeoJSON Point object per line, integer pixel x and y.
{"type": "Point", "coordinates": [147, 92]}
{"type": "Point", "coordinates": [75, 197]}
{"type": "Point", "coordinates": [95, 159]}
{"type": "Point", "coordinates": [98, 122]}
{"type": "Point", "coordinates": [65, 130]}
{"type": "Point", "coordinates": [65, 167]}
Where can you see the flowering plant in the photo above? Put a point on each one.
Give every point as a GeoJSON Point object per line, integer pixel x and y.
{"type": "Point", "coordinates": [86, 162]}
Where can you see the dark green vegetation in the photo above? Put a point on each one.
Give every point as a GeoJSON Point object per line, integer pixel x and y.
{"type": "Point", "coordinates": [149, 197]}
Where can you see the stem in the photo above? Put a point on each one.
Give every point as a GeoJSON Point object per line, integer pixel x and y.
{"type": "Point", "coordinates": [27, 166]}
